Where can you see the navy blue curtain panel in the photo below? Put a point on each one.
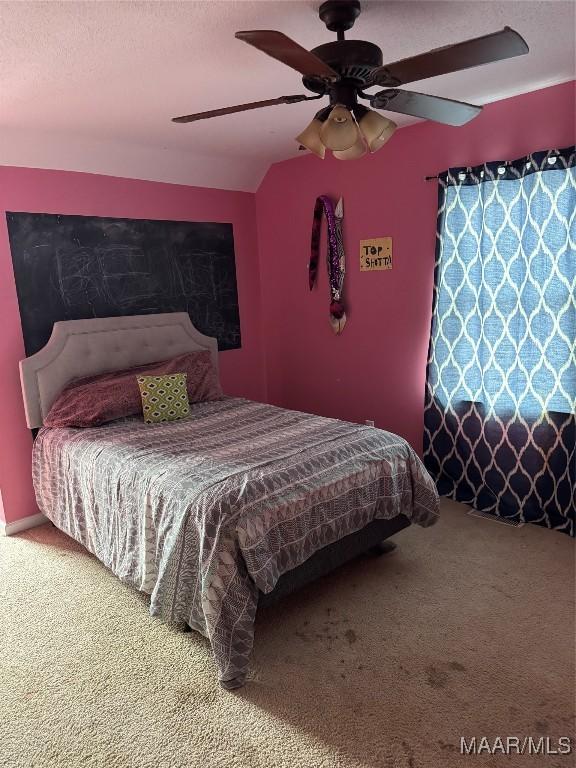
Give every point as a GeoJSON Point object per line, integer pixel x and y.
{"type": "Point", "coordinates": [499, 425]}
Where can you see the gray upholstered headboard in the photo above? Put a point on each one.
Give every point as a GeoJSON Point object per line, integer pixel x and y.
{"type": "Point", "coordinates": [79, 348]}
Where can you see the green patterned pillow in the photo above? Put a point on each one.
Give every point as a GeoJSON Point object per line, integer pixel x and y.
{"type": "Point", "coordinates": [164, 398]}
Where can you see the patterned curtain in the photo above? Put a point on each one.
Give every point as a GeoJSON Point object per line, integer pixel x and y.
{"type": "Point", "coordinates": [500, 430]}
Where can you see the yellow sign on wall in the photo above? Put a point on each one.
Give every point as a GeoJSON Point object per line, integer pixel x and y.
{"type": "Point", "coordinates": [376, 254]}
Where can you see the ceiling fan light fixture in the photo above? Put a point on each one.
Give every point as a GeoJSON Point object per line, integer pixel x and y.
{"type": "Point", "coordinates": [356, 151]}
{"type": "Point", "coordinates": [340, 131]}
{"type": "Point", "coordinates": [310, 138]}
{"type": "Point", "coordinates": [375, 128]}
{"type": "Point", "coordinates": [384, 136]}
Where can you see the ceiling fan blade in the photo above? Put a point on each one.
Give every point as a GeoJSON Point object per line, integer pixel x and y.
{"type": "Point", "coordinates": [429, 107]}
{"type": "Point", "coordinates": [282, 48]}
{"type": "Point", "coordinates": [242, 108]}
{"type": "Point", "coordinates": [452, 58]}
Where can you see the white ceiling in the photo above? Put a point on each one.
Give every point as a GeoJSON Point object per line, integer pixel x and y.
{"type": "Point", "coordinates": [92, 86]}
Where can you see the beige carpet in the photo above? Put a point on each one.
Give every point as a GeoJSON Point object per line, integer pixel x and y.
{"type": "Point", "coordinates": [466, 630]}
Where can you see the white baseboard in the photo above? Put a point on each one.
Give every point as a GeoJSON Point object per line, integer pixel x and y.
{"type": "Point", "coordinates": [8, 529]}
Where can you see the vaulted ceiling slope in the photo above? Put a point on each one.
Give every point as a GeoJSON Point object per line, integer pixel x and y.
{"type": "Point", "coordinates": [91, 86]}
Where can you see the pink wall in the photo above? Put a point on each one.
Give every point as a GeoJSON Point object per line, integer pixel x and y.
{"type": "Point", "coordinates": [376, 369]}
{"type": "Point", "coordinates": [23, 189]}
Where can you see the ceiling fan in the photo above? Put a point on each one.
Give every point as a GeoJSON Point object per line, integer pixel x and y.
{"type": "Point", "coordinates": [343, 69]}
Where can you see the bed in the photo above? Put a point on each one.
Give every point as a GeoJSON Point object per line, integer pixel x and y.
{"type": "Point", "coordinates": [223, 511]}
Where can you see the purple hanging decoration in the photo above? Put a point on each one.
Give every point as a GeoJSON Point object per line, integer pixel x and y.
{"type": "Point", "coordinates": [335, 257]}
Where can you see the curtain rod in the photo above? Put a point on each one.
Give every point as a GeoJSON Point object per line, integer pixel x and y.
{"type": "Point", "coordinates": [551, 156]}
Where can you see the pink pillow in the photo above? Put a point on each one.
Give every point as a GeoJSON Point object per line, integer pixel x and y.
{"type": "Point", "coordinates": [98, 399]}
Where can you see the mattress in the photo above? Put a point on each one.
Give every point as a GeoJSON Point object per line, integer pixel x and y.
{"type": "Point", "coordinates": [206, 513]}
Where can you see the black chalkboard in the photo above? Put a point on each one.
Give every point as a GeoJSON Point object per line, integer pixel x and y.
{"type": "Point", "coordinates": [75, 267]}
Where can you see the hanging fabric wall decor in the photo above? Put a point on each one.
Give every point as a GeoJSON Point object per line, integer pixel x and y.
{"type": "Point", "coordinates": [335, 257]}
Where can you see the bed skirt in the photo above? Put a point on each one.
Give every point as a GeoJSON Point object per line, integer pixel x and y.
{"type": "Point", "coordinates": [333, 556]}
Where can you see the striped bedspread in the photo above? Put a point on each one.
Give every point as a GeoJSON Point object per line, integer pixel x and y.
{"type": "Point", "coordinates": [203, 513]}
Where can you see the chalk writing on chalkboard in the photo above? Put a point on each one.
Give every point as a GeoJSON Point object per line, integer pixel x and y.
{"type": "Point", "coordinates": [75, 267]}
